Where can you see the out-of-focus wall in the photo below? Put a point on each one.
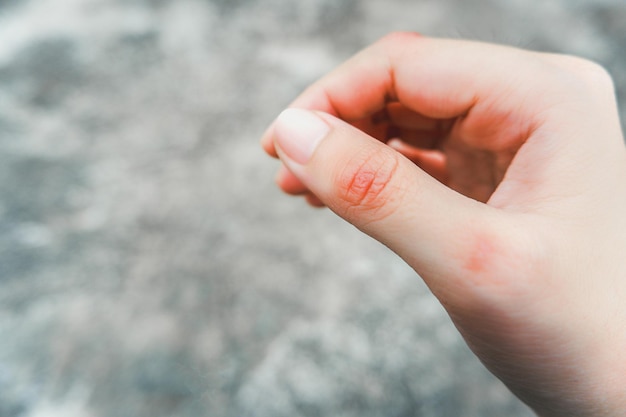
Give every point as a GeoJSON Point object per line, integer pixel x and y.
{"type": "Point", "coordinates": [148, 265]}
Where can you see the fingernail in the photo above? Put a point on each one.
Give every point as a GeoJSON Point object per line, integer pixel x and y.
{"type": "Point", "coordinates": [297, 133]}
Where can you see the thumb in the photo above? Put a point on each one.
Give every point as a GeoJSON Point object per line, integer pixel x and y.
{"type": "Point", "coordinates": [436, 230]}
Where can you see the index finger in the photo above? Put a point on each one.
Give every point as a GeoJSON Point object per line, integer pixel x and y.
{"type": "Point", "coordinates": [436, 78]}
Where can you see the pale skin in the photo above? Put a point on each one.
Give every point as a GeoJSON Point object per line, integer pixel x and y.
{"type": "Point", "coordinates": [499, 175]}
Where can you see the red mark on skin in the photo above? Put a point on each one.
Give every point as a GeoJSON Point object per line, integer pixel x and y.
{"type": "Point", "coordinates": [481, 255]}
{"type": "Point", "coordinates": [363, 182]}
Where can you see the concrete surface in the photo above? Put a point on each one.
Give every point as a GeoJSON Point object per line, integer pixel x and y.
{"type": "Point", "coordinates": [148, 265]}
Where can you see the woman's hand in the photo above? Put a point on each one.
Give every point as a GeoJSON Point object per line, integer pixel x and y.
{"type": "Point", "coordinates": [499, 175]}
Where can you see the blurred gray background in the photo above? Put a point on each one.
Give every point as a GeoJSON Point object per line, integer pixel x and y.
{"type": "Point", "coordinates": [148, 264]}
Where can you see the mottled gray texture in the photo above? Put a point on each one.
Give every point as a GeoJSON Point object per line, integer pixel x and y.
{"type": "Point", "coordinates": [148, 265]}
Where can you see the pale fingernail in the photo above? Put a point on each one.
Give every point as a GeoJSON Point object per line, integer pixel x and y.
{"type": "Point", "coordinates": [297, 133]}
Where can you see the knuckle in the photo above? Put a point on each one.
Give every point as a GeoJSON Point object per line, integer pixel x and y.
{"type": "Point", "coordinates": [593, 73]}
{"type": "Point", "coordinates": [366, 183]}
{"type": "Point", "coordinates": [587, 75]}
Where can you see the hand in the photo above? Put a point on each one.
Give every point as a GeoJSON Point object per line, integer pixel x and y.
{"type": "Point", "coordinates": [499, 175]}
